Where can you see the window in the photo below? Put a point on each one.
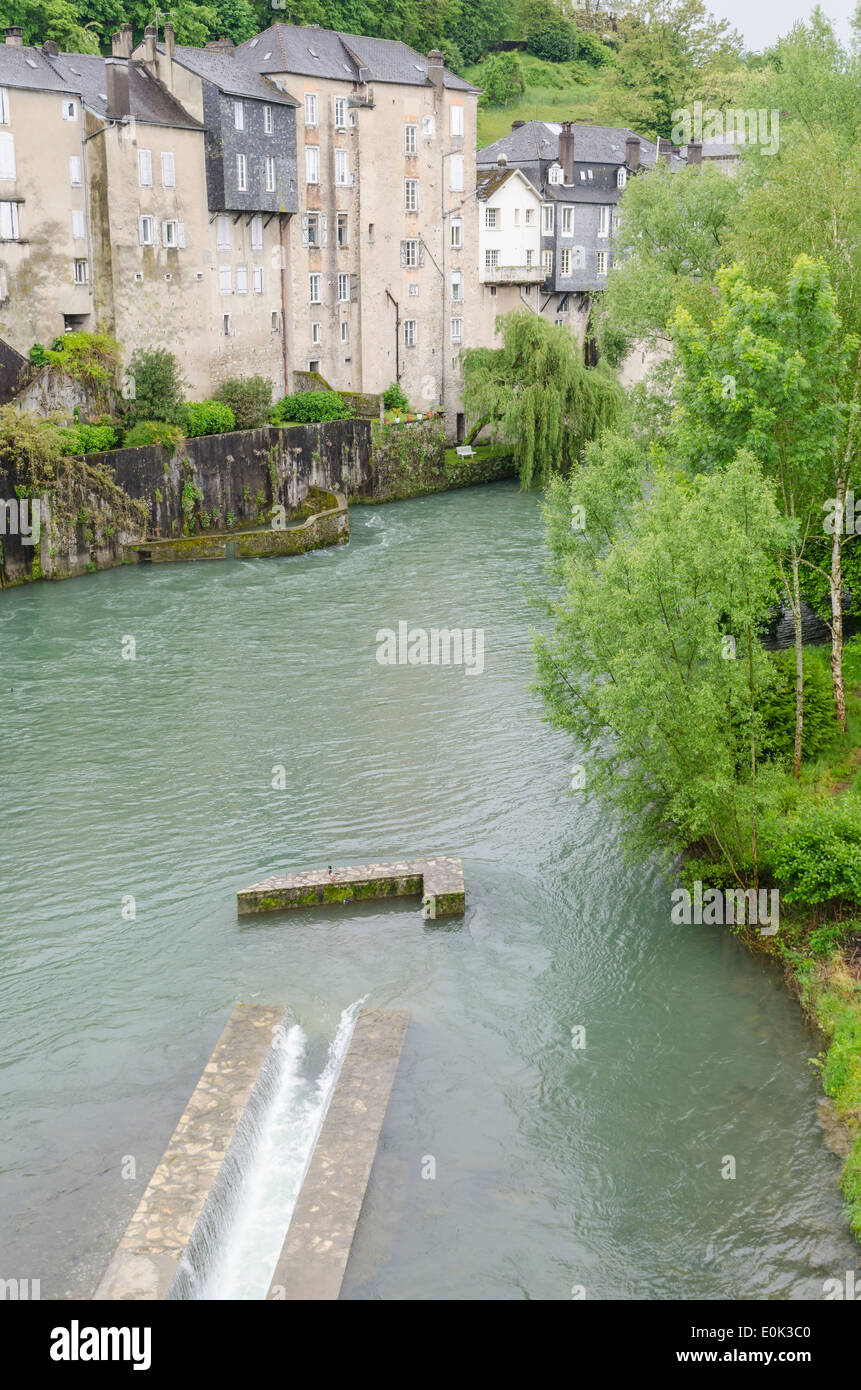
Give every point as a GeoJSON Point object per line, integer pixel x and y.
{"type": "Point", "coordinates": [603, 221]}
{"type": "Point", "coordinates": [457, 286]}
{"type": "Point", "coordinates": [411, 195]}
{"type": "Point", "coordinates": [317, 333]}
{"type": "Point", "coordinates": [173, 233]}
{"type": "Point", "coordinates": [517, 217]}
{"type": "Point", "coordinates": [371, 233]}
{"type": "Point", "coordinates": [147, 231]}
{"type": "Point", "coordinates": [145, 168]}
{"type": "Point", "coordinates": [9, 221]}
{"type": "Point", "coordinates": [410, 332]}
{"type": "Point", "coordinates": [79, 229]}
{"type": "Point", "coordinates": [312, 164]}
{"type": "Point", "coordinates": [345, 331]}
{"type": "Point", "coordinates": [343, 287]}
{"type": "Point", "coordinates": [314, 219]}
{"type": "Point", "coordinates": [241, 173]}
{"type": "Point", "coordinates": [269, 165]}
{"type": "Point", "coordinates": [414, 289]}
{"type": "Point", "coordinates": [310, 108]}
{"type": "Point", "coordinates": [409, 254]}
{"type": "Point", "coordinates": [567, 221]}
{"type": "Point", "coordinates": [275, 324]}
{"type": "Point", "coordinates": [457, 120]}
{"type": "Point", "coordinates": [547, 219]}
{"type": "Point", "coordinates": [411, 139]}
{"type": "Point", "coordinates": [554, 174]}
{"type": "Point", "coordinates": [341, 229]}
{"type": "Point", "coordinates": [4, 106]}
{"type": "Point", "coordinates": [529, 217]}
{"type": "Point", "coordinates": [491, 218]}
{"type": "Point", "coordinates": [529, 258]}
{"type": "Point", "coordinates": [457, 330]}
{"type": "Point", "coordinates": [455, 181]}
{"type": "Point", "coordinates": [602, 262]}
{"type": "Point", "coordinates": [547, 261]}
{"type": "Point", "coordinates": [225, 280]}
{"type": "Point", "coordinates": [4, 283]}
{"type": "Point", "coordinates": [168, 172]}
{"type": "Point", "coordinates": [75, 170]}
{"type": "Point", "coordinates": [70, 110]}
{"type": "Point", "coordinates": [225, 325]}
{"type": "Point", "coordinates": [565, 261]}
{"type": "Point", "coordinates": [257, 232]}
{"type": "Point", "coordinates": [238, 116]}
{"type": "Point", "coordinates": [340, 111]}
{"type": "Point", "coordinates": [456, 233]}
{"type": "Point", "coordinates": [267, 120]}
{"type": "Point", "coordinates": [342, 173]}
{"type": "Point", "coordinates": [314, 364]}
{"type": "Point", "coordinates": [564, 303]}
{"type": "Point", "coordinates": [242, 279]}
{"type": "Point", "coordinates": [428, 127]}
{"type": "Point", "coordinates": [257, 279]}
{"type": "Point", "coordinates": [223, 222]}
{"type": "Point", "coordinates": [82, 272]}
{"type": "Point", "coordinates": [315, 286]}
{"type": "Point", "coordinates": [7, 155]}
{"type": "Point", "coordinates": [621, 178]}
{"type": "Point", "coordinates": [491, 259]}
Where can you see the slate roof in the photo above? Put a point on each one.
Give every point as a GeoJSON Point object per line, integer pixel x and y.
{"type": "Point", "coordinates": [312, 52]}
{"type": "Point", "coordinates": [150, 101]}
{"type": "Point", "coordinates": [489, 181]}
{"type": "Point", "coordinates": [235, 77]}
{"type": "Point", "coordinates": [537, 141]}
{"type": "Point", "coordinates": [29, 68]}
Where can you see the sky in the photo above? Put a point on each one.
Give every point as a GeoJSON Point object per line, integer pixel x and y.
{"type": "Point", "coordinates": [762, 21]}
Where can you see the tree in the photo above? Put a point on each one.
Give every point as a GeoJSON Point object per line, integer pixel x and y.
{"type": "Point", "coordinates": [768, 375]}
{"type": "Point", "coordinates": [653, 662]}
{"type": "Point", "coordinates": [501, 79]}
{"type": "Point", "coordinates": [536, 394]}
{"type": "Point", "coordinates": [59, 20]}
{"type": "Point", "coordinates": [156, 387]}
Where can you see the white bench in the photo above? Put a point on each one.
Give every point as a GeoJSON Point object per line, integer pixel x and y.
{"type": "Point", "coordinates": [464, 451]}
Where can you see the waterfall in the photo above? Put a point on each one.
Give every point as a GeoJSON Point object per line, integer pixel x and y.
{"type": "Point", "coordinates": [238, 1236]}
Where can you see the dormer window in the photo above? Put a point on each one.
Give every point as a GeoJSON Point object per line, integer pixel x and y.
{"type": "Point", "coordinates": [555, 173]}
{"type": "Point", "coordinates": [621, 178]}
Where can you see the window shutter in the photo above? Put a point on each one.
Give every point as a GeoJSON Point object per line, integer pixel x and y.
{"type": "Point", "coordinates": [305, 229]}
{"type": "Point", "coordinates": [180, 234]}
{"type": "Point", "coordinates": [7, 155]}
{"type": "Point", "coordinates": [164, 235]}
{"type": "Point", "coordinates": [354, 287]}
{"type": "Point", "coordinates": [141, 230]}
{"type": "Point", "coordinates": [421, 253]}
{"type": "Point", "coordinates": [322, 229]}
{"type": "Point", "coordinates": [403, 253]}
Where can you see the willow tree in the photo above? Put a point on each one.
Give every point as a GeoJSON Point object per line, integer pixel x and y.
{"type": "Point", "coordinates": [536, 394]}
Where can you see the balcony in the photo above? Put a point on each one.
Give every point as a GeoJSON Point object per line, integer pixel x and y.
{"type": "Point", "coordinates": [512, 275]}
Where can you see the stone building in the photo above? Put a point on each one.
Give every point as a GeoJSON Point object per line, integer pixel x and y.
{"type": "Point", "coordinates": [510, 272]}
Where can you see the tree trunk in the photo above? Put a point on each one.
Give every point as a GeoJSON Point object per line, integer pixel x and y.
{"type": "Point", "coordinates": [836, 588]}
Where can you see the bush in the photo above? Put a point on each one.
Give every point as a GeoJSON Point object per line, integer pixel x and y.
{"type": "Point", "coordinates": [309, 406]}
{"type": "Point", "coordinates": [777, 704]}
{"type": "Point", "coordinates": [819, 857]}
{"type": "Point", "coordinates": [88, 439]}
{"type": "Point", "coordinates": [249, 397]}
{"type": "Point", "coordinates": [394, 398]}
{"type": "Point", "coordinates": [555, 43]}
{"type": "Point", "coordinates": [153, 432]}
{"type": "Point", "coordinates": [501, 78]}
{"type": "Point", "coordinates": [39, 355]}
{"type": "Point", "coordinates": [158, 386]}
{"type": "Point", "coordinates": [208, 417]}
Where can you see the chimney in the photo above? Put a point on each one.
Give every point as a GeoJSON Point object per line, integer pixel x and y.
{"type": "Point", "coordinates": [502, 161]}
{"type": "Point", "coordinates": [117, 88]}
{"type": "Point", "coordinates": [121, 42]}
{"type": "Point", "coordinates": [223, 44]}
{"type": "Point", "coordinates": [632, 153]}
{"type": "Point", "coordinates": [169, 40]}
{"type": "Point", "coordinates": [664, 148]}
{"type": "Point", "coordinates": [566, 152]}
{"type": "Point", "coordinates": [695, 152]}
{"type": "Point", "coordinates": [14, 36]}
{"type": "Point", "coordinates": [149, 45]}
{"type": "Point", "coordinates": [51, 49]}
{"type": "Point", "coordinates": [435, 68]}
{"type": "Point", "coordinates": [515, 125]}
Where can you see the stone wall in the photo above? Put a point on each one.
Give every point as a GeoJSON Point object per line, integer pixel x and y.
{"type": "Point", "coordinates": [411, 460]}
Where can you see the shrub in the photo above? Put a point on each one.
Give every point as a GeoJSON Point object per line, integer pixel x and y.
{"type": "Point", "coordinates": [249, 397]}
{"type": "Point", "coordinates": [38, 355]}
{"type": "Point", "coordinates": [555, 43]}
{"type": "Point", "coordinates": [777, 704]}
{"type": "Point", "coordinates": [91, 358]}
{"type": "Point", "coordinates": [309, 406]}
{"type": "Point", "coordinates": [818, 859]}
{"type": "Point", "coordinates": [158, 386]}
{"type": "Point", "coordinates": [501, 78]}
{"type": "Point", "coordinates": [153, 432]}
{"type": "Point", "coordinates": [394, 398]}
{"type": "Point", "coordinates": [88, 439]}
{"type": "Point", "coordinates": [208, 417]}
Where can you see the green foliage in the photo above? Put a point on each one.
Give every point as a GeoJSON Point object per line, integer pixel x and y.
{"type": "Point", "coordinates": [153, 432]}
{"type": "Point", "coordinates": [91, 358]}
{"type": "Point", "coordinates": [823, 941]}
{"type": "Point", "coordinates": [818, 858]}
{"type": "Point", "coordinates": [538, 396]}
{"type": "Point", "coordinates": [192, 496]}
{"type": "Point", "coordinates": [560, 41]}
{"type": "Point", "coordinates": [159, 387]}
{"type": "Point", "coordinates": [394, 398]}
{"type": "Point", "coordinates": [38, 355]}
{"type": "Point", "coordinates": [29, 447]}
{"type": "Point", "coordinates": [250, 399]}
{"type": "Point", "coordinates": [309, 406]}
{"type": "Point", "coordinates": [501, 78]}
{"type": "Point", "coordinates": [88, 439]}
{"type": "Point", "coordinates": [208, 417]}
{"type": "Point", "coordinates": [777, 706]}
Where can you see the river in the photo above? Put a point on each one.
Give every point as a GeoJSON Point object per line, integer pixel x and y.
{"type": "Point", "coordinates": [555, 1168]}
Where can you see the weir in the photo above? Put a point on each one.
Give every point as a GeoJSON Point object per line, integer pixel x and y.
{"type": "Point", "coordinates": [438, 881]}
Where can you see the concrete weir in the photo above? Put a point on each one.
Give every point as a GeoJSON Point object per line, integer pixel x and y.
{"type": "Point", "coordinates": [438, 881]}
{"type": "Point", "coordinates": [147, 1257]}
{"type": "Point", "coordinates": [317, 1246]}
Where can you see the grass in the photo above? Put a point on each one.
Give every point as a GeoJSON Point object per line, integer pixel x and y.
{"type": "Point", "coordinates": [554, 92]}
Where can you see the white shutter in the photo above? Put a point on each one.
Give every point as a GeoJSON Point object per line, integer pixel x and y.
{"type": "Point", "coordinates": [7, 155]}
{"type": "Point", "coordinates": [180, 235]}
{"type": "Point", "coordinates": [305, 229]}
{"type": "Point", "coordinates": [141, 225]}
{"type": "Point", "coordinates": [168, 170]}
{"type": "Point", "coordinates": [145, 168]}
{"type": "Point", "coordinates": [4, 106]}
{"type": "Point", "coordinates": [322, 229]}
{"type": "Point", "coordinates": [165, 236]}
{"type": "Point", "coordinates": [9, 221]}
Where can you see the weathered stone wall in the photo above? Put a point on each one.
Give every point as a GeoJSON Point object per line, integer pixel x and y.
{"type": "Point", "coordinates": [51, 389]}
{"type": "Point", "coordinates": [12, 364]}
{"type": "Point", "coordinates": [410, 460]}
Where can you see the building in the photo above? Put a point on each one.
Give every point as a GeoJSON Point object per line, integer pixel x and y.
{"type": "Point", "coordinates": [510, 272]}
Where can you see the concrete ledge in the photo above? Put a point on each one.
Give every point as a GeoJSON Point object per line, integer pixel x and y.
{"type": "Point", "coordinates": [438, 881]}
{"type": "Point", "coordinates": [317, 1246]}
{"type": "Point", "coordinates": [331, 527]}
{"type": "Point", "coordinates": [146, 1259]}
